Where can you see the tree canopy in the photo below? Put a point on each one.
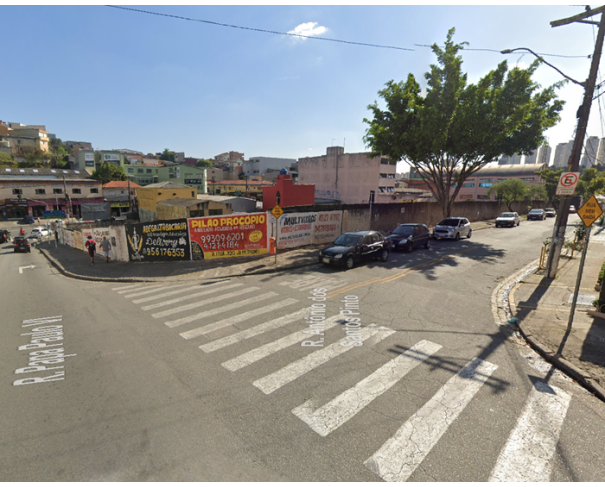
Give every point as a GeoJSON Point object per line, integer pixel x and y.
{"type": "Point", "coordinates": [107, 172]}
{"type": "Point", "coordinates": [510, 190]}
{"type": "Point", "coordinates": [456, 128]}
{"type": "Point", "coordinates": [551, 181]}
{"type": "Point", "coordinates": [592, 182]}
{"type": "Point", "coordinates": [6, 160]}
{"type": "Point", "coordinates": [167, 155]}
{"type": "Point", "coordinates": [204, 163]}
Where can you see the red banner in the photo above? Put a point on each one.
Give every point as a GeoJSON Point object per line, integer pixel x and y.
{"type": "Point", "coordinates": [228, 236]}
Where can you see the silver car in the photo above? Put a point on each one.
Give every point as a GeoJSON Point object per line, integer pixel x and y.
{"type": "Point", "coordinates": [453, 227]}
{"type": "Point", "coordinates": [508, 219]}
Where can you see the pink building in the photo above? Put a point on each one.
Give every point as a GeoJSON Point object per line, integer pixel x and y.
{"type": "Point", "coordinates": [290, 194]}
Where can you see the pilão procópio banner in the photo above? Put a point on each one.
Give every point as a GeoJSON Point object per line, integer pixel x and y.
{"type": "Point", "coordinates": [228, 236]}
{"type": "Point", "coordinates": [159, 240]}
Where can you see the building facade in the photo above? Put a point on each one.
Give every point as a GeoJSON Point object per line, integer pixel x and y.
{"type": "Point", "coordinates": [562, 155]}
{"type": "Point", "coordinates": [149, 196]}
{"type": "Point", "coordinates": [178, 174]}
{"type": "Point", "coordinates": [257, 166]}
{"type": "Point", "coordinates": [239, 187]}
{"type": "Point", "coordinates": [349, 178]}
{"type": "Point", "coordinates": [26, 138]}
{"type": "Point", "coordinates": [591, 149]}
{"type": "Point", "coordinates": [121, 195]}
{"type": "Point", "coordinates": [177, 208]}
{"type": "Point", "coordinates": [287, 194]}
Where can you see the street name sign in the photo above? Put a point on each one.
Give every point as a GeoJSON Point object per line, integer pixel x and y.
{"type": "Point", "coordinates": [277, 211]}
{"type": "Point", "coordinates": [590, 211]}
{"type": "Point", "coordinates": [567, 183]}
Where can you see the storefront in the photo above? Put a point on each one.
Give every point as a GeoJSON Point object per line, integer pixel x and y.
{"type": "Point", "coordinates": [13, 208]}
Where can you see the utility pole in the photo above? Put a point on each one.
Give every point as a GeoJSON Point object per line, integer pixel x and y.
{"type": "Point", "coordinates": [558, 236]}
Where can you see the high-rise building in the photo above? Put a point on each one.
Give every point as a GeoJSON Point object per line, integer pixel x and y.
{"type": "Point", "coordinates": [543, 155]}
{"type": "Point", "coordinates": [562, 154]}
{"type": "Point", "coordinates": [590, 153]}
{"type": "Point", "coordinates": [601, 154]}
{"type": "Point", "coordinates": [505, 160]}
{"type": "Point", "coordinates": [531, 158]}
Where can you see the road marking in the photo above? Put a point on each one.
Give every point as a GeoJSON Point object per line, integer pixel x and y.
{"type": "Point", "coordinates": [25, 267]}
{"type": "Point", "coordinates": [178, 291]}
{"type": "Point", "coordinates": [199, 304]}
{"type": "Point", "coordinates": [122, 290]}
{"type": "Point", "coordinates": [237, 319]}
{"type": "Point", "coordinates": [273, 347]}
{"type": "Point", "coordinates": [189, 296]}
{"type": "Point", "coordinates": [294, 370]}
{"type": "Point", "coordinates": [216, 311]}
{"type": "Point", "coordinates": [131, 286]}
{"type": "Point", "coordinates": [148, 291]}
{"type": "Point", "coordinates": [338, 411]}
{"type": "Point", "coordinates": [527, 455]}
{"type": "Point", "coordinates": [256, 330]}
{"type": "Point", "coordinates": [397, 459]}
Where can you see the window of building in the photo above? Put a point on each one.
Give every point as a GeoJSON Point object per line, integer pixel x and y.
{"type": "Point", "coordinates": [382, 189]}
{"type": "Point", "coordinates": [500, 180]}
{"type": "Point", "coordinates": [194, 213]}
{"type": "Point", "coordinates": [527, 179]}
{"type": "Point", "coordinates": [17, 191]}
{"type": "Point", "coordinates": [148, 171]}
{"type": "Point", "coordinates": [384, 160]}
{"type": "Point", "coordinates": [57, 191]}
{"type": "Point", "coordinates": [390, 190]}
{"type": "Point", "coordinates": [140, 171]}
{"type": "Point", "coordinates": [130, 170]}
{"type": "Point", "coordinates": [391, 176]}
{"type": "Point", "coordinates": [486, 179]}
{"type": "Point", "coordinates": [94, 190]}
{"type": "Point", "coordinates": [215, 212]}
{"type": "Point", "coordinates": [469, 185]}
{"type": "Point", "coordinates": [382, 175]}
{"type": "Point", "coordinates": [485, 185]}
{"type": "Point", "coordinates": [482, 197]}
{"type": "Point", "coordinates": [76, 191]}
{"type": "Point", "coordinates": [40, 191]}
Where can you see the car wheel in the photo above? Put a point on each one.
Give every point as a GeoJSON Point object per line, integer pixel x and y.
{"type": "Point", "coordinates": [518, 223]}
{"type": "Point", "coordinates": [349, 262]}
{"type": "Point", "coordinates": [409, 247]}
{"type": "Point", "coordinates": [457, 237]}
{"type": "Point", "coordinates": [384, 255]}
{"type": "Point", "coordinates": [470, 232]}
{"type": "Point", "coordinates": [427, 244]}
{"type": "Point", "coordinates": [497, 225]}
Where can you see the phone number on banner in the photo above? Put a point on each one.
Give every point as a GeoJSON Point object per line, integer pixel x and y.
{"type": "Point", "coordinates": [156, 252]}
{"type": "Point", "coordinates": [234, 253]}
{"type": "Point", "coordinates": [221, 241]}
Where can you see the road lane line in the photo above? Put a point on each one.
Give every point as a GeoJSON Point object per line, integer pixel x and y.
{"type": "Point", "coordinates": [199, 304]}
{"type": "Point", "coordinates": [189, 296]}
{"type": "Point", "coordinates": [216, 311]}
{"type": "Point", "coordinates": [527, 455]}
{"type": "Point", "coordinates": [273, 347]}
{"type": "Point", "coordinates": [142, 293]}
{"type": "Point", "coordinates": [294, 370]}
{"type": "Point", "coordinates": [400, 455]}
{"type": "Point", "coordinates": [338, 411]}
{"type": "Point", "coordinates": [237, 319]}
{"type": "Point", "coordinates": [254, 331]}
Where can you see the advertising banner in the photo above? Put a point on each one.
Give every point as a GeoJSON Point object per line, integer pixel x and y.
{"type": "Point", "coordinates": [165, 240]}
{"type": "Point", "coordinates": [78, 240]}
{"type": "Point", "coordinates": [298, 229]}
{"type": "Point", "coordinates": [68, 236]}
{"type": "Point", "coordinates": [228, 236]}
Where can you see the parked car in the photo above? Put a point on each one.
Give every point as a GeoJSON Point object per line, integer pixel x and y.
{"type": "Point", "coordinates": [21, 244]}
{"type": "Point", "coordinates": [29, 219]}
{"type": "Point", "coordinates": [572, 209]}
{"type": "Point", "coordinates": [453, 227]}
{"type": "Point", "coordinates": [508, 219]}
{"type": "Point", "coordinates": [353, 247]}
{"type": "Point", "coordinates": [409, 236]}
{"type": "Point", "coordinates": [550, 212]}
{"type": "Point", "coordinates": [537, 214]}
{"type": "Point", "coordinates": [4, 236]}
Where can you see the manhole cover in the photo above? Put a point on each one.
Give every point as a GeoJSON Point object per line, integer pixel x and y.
{"type": "Point", "coordinates": [583, 299]}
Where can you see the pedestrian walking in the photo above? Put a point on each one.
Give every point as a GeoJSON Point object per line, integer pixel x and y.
{"type": "Point", "coordinates": [105, 247]}
{"type": "Point", "coordinates": [91, 245]}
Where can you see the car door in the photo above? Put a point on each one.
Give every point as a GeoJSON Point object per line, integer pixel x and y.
{"type": "Point", "coordinates": [423, 235]}
{"type": "Point", "coordinates": [416, 237]}
{"type": "Point", "coordinates": [465, 227]}
{"type": "Point", "coordinates": [366, 246]}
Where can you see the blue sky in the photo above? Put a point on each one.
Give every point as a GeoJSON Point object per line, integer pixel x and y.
{"type": "Point", "coordinates": [122, 79]}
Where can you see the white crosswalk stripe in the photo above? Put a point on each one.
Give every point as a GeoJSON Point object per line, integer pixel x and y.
{"type": "Point", "coordinates": [397, 459]}
{"type": "Point", "coordinates": [334, 414]}
{"type": "Point", "coordinates": [216, 311]}
{"type": "Point", "coordinates": [300, 367]}
{"type": "Point", "coordinates": [122, 290]}
{"type": "Point", "coordinates": [314, 282]}
{"type": "Point", "coordinates": [237, 319]}
{"type": "Point", "coordinates": [196, 304]}
{"type": "Point", "coordinates": [155, 290]}
{"type": "Point", "coordinates": [254, 331]}
{"type": "Point", "coordinates": [527, 455]}
{"type": "Point", "coordinates": [197, 287]}
{"type": "Point", "coordinates": [273, 347]}
{"type": "Point", "coordinates": [130, 286]}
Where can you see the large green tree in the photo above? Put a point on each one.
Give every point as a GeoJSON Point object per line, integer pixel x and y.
{"type": "Point", "coordinates": [6, 160]}
{"type": "Point", "coordinates": [107, 172]}
{"type": "Point", "coordinates": [451, 129]}
{"type": "Point", "coordinates": [592, 182]}
{"type": "Point", "coordinates": [167, 155]}
{"type": "Point", "coordinates": [551, 181]}
{"type": "Point", "coordinates": [510, 190]}
{"type": "Point", "coordinates": [204, 163]}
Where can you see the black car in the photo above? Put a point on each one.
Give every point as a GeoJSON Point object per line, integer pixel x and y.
{"type": "Point", "coordinates": [409, 236]}
{"type": "Point", "coordinates": [4, 236]}
{"type": "Point", "coordinates": [537, 214]}
{"type": "Point", "coordinates": [353, 247]}
{"type": "Point", "coordinates": [21, 244]}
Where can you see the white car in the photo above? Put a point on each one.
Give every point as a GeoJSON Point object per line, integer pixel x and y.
{"type": "Point", "coordinates": [508, 219]}
{"type": "Point", "coordinates": [39, 233]}
{"type": "Point", "coordinates": [453, 227]}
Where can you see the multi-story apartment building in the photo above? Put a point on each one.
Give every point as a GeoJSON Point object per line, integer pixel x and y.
{"type": "Point", "coordinates": [507, 160]}
{"type": "Point", "coordinates": [180, 174]}
{"type": "Point", "coordinates": [77, 146]}
{"type": "Point", "coordinates": [252, 187]}
{"type": "Point", "coordinates": [601, 154]}
{"type": "Point", "coordinates": [349, 178]}
{"type": "Point", "coordinates": [562, 155]}
{"type": "Point", "coordinates": [257, 166]}
{"type": "Point", "coordinates": [544, 153]}
{"type": "Point", "coordinates": [231, 156]}
{"type": "Point", "coordinates": [591, 149]}
{"type": "Point", "coordinates": [121, 195]}
{"type": "Point", "coordinates": [33, 191]}
{"type": "Point", "coordinates": [24, 138]}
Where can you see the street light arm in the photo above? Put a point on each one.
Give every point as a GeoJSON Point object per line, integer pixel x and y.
{"type": "Point", "coordinates": [509, 51]}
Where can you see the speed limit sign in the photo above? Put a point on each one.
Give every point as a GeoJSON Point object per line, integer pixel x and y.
{"type": "Point", "coordinates": [567, 183]}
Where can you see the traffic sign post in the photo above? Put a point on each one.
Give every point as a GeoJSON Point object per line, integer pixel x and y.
{"type": "Point", "coordinates": [590, 211]}
{"type": "Point", "coordinates": [276, 211]}
{"type": "Point", "coordinates": [567, 183]}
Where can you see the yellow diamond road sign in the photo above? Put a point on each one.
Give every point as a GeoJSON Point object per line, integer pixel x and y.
{"type": "Point", "coordinates": [277, 211]}
{"type": "Point", "coordinates": [590, 211]}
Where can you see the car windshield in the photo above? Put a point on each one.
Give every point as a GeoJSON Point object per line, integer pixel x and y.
{"type": "Point", "coordinates": [404, 230]}
{"type": "Point", "coordinates": [536, 211]}
{"type": "Point", "coordinates": [449, 222]}
{"type": "Point", "coordinates": [348, 240]}
{"type": "Point", "coordinates": [550, 209]}
{"type": "Point", "coordinates": [507, 215]}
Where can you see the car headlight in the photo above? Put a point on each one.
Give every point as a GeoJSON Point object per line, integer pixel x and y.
{"type": "Point", "coordinates": [338, 256]}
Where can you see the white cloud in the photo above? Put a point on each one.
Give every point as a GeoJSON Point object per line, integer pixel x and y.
{"type": "Point", "coordinates": [308, 29]}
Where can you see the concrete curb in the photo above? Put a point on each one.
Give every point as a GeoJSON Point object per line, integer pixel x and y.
{"type": "Point", "coordinates": [72, 275]}
{"type": "Point", "coordinates": [576, 373]}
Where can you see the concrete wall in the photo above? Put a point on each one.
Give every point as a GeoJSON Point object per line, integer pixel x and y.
{"type": "Point", "coordinates": [117, 234]}
{"type": "Point", "coordinates": [146, 215]}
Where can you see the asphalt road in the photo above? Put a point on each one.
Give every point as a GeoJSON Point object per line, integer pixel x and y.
{"type": "Point", "coordinates": [210, 381]}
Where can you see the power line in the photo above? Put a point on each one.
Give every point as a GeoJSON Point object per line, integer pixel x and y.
{"type": "Point", "coordinates": [220, 24]}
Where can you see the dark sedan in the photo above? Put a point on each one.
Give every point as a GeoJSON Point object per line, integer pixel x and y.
{"type": "Point", "coordinates": [21, 244]}
{"type": "Point", "coordinates": [353, 247]}
{"type": "Point", "coordinates": [537, 214]}
{"type": "Point", "coordinates": [409, 236]}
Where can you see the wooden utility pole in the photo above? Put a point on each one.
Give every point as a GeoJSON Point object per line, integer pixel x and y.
{"type": "Point", "coordinates": [558, 236]}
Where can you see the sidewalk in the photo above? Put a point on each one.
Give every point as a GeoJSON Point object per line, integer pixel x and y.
{"type": "Point", "coordinates": [542, 307]}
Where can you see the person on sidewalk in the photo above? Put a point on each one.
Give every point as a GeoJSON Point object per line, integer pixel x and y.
{"type": "Point", "coordinates": [91, 245]}
{"type": "Point", "coordinates": [105, 247]}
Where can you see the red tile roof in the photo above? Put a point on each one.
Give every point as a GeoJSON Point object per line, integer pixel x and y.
{"type": "Point", "coordinates": [120, 184]}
